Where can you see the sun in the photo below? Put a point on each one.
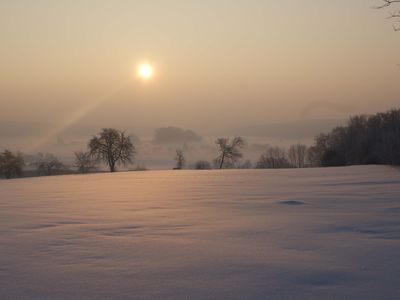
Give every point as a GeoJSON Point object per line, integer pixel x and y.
{"type": "Point", "coordinates": [145, 71]}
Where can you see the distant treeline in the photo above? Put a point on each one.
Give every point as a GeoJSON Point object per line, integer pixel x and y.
{"type": "Point", "coordinates": [373, 139]}
{"type": "Point", "coordinates": [365, 139]}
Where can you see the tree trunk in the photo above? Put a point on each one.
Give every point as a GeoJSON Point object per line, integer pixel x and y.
{"type": "Point", "coordinates": [222, 161]}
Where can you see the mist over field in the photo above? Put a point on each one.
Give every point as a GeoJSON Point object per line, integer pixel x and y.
{"type": "Point", "coordinates": [158, 151]}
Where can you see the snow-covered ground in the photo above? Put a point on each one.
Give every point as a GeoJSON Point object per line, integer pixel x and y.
{"type": "Point", "coordinates": [330, 233]}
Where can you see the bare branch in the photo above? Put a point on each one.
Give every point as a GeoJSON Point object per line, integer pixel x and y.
{"type": "Point", "coordinates": [386, 3]}
{"type": "Point", "coordinates": [393, 15]}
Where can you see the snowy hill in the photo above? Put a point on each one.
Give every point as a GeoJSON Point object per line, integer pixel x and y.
{"type": "Point", "coordinates": [331, 233]}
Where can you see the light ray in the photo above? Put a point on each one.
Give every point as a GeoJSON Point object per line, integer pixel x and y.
{"type": "Point", "coordinates": [72, 119]}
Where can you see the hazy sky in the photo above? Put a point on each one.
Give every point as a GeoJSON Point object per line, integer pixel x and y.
{"type": "Point", "coordinates": [217, 63]}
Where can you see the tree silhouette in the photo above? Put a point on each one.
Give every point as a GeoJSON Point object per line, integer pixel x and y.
{"type": "Point", "coordinates": [273, 158]}
{"type": "Point", "coordinates": [84, 162]}
{"type": "Point", "coordinates": [11, 164]}
{"type": "Point", "coordinates": [373, 139]}
{"type": "Point", "coordinates": [51, 165]}
{"type": "Point", "coordinates": [113, 147]}
{"type": "Point", "coordinates": [180, 159]}
{"type": "Point", "coordinates": [297, 155]}
{"type": "Point", "coordinates": [229, 151]}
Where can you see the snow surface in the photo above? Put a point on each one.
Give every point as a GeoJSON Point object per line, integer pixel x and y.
{"type": "Point", "coordinates": [330, 233]}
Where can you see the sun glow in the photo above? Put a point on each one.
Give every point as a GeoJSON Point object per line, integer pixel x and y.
{"type": "Point", "coordinates": [145, 71]}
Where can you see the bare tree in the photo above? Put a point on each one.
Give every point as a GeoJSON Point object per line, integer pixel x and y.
{"type": "Point", "coordinates": [51, 165]}
{"type": "Point", "coordinates": [297, 155]}
{"type": "Point", "coordinates": [229, 150]}
{"type": "Point", "coordinates": [273, 158]}
{"type": "Point", "coordinates": [313, 157]}
{"type": "Point", "coordinates": [393, 14]}
{"type": "Point", "coordinates": [11, 164]}
{"type": "Point", "coordinates": [84, 162]}
{"type": "Point", "coordinates": [113, 147]}
{"type": "Point", "coordinates": [180, 159]}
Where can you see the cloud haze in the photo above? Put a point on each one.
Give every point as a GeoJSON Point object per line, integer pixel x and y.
{"type": "Point", "coordinates": [218, 64]}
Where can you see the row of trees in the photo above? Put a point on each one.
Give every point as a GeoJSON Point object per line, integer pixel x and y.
{"type": "Point", "coordinates": [230, 154]}
{"type": "Point", "coordinates": [110, 146]}
{"type": "Point", "coordinates": [373, 139]}
{"type": "Point", "coordinates": [12, 165]}
{"type": "Point", "coordinates": [114, 148]}
{"type": "Point", "coordinates": [276, 157]}
{"type": "Point", "coordinates": [365, 139]}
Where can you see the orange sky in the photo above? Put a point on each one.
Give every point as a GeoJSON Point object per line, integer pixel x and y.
{"type": "Point", "coordinates": [230, 62]}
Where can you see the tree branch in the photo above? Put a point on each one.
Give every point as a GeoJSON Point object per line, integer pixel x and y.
{"type": "Point", "coordinates": [386, 3]}
{"type": "Point", "coordinates": [394, 15]}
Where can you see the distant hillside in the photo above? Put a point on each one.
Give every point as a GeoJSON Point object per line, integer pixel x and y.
{"type": "Point", "coordinates": [289, 130]}
{"type": "Point", "coordinates": [33, 129]}
{"type": "Point", "coordinates": [285, 130]}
